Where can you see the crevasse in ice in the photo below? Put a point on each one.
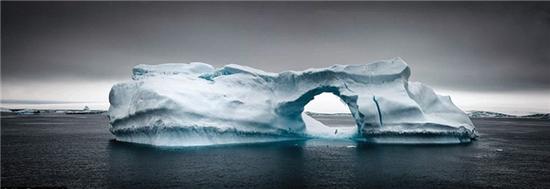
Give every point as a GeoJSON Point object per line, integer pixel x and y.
{"type": "Point", "coordinates": [197, 104]}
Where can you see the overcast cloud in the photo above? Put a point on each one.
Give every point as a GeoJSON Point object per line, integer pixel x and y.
{"type": "Point", "coordinates": [481, 47]}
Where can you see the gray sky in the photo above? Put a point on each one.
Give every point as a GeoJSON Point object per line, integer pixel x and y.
{"type": "Point", "coordinates": [74, 51]}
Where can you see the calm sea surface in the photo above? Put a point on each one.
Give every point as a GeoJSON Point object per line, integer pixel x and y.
{"type": "Point", "coordinates": [77, 151]}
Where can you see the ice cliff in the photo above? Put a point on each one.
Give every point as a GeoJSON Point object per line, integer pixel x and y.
{"type": "Point", "coordinates": [197, 104]}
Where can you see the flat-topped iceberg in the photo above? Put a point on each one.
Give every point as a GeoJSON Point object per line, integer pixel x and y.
{"type": "Point", "coordinates": [197, 104]}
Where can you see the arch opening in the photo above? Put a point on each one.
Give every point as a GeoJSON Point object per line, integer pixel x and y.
{"type": "Point", "coordinates": [328, 116]}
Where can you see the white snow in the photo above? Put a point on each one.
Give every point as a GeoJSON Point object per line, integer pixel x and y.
{"type": "Point", "coordinates": [196, 104]}
{"type": "Point", "coordinates": [317, 129]}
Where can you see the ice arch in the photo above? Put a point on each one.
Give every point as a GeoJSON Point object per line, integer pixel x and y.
{"type": "Point", "coordinates": [339, 126]}
{"type": "Point", "coordinates": [294, 110]}
{"type": "Point", "coordinates": [196, 104]}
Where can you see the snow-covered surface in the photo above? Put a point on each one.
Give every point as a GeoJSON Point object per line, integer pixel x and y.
{"type": "Point", "coordinates": [27, 111]}
{"type": "Point", "coordinates": [196, 104]}
{"type": "Point", "coordinates": [315, 128]}
{"type": "Point", "coordinates": [86, 110]}
{"type": "Point", "coordinates": [488, 114]}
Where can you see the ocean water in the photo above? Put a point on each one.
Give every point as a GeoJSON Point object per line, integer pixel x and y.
{"type": "Point", "coordinates": [77, 151]}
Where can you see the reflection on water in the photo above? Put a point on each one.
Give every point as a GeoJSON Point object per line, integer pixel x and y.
{"type": "Point", "coordinates": [290, 164]}
{"type": "Point", "coordinates": [214, 166]}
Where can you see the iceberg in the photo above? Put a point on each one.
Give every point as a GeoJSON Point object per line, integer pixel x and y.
{"type": "Point", "coordinates": [196, 104]}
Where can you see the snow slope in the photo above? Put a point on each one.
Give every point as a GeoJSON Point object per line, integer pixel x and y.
{"type": "Point", "coordinates": [196, 104]}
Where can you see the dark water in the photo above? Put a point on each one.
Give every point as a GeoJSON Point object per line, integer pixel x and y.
{"type": "Point", "coordinates": [77, 151]}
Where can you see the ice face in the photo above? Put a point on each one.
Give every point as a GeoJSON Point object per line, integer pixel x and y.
{"type": "Point", "coordinates": [196, 104]}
